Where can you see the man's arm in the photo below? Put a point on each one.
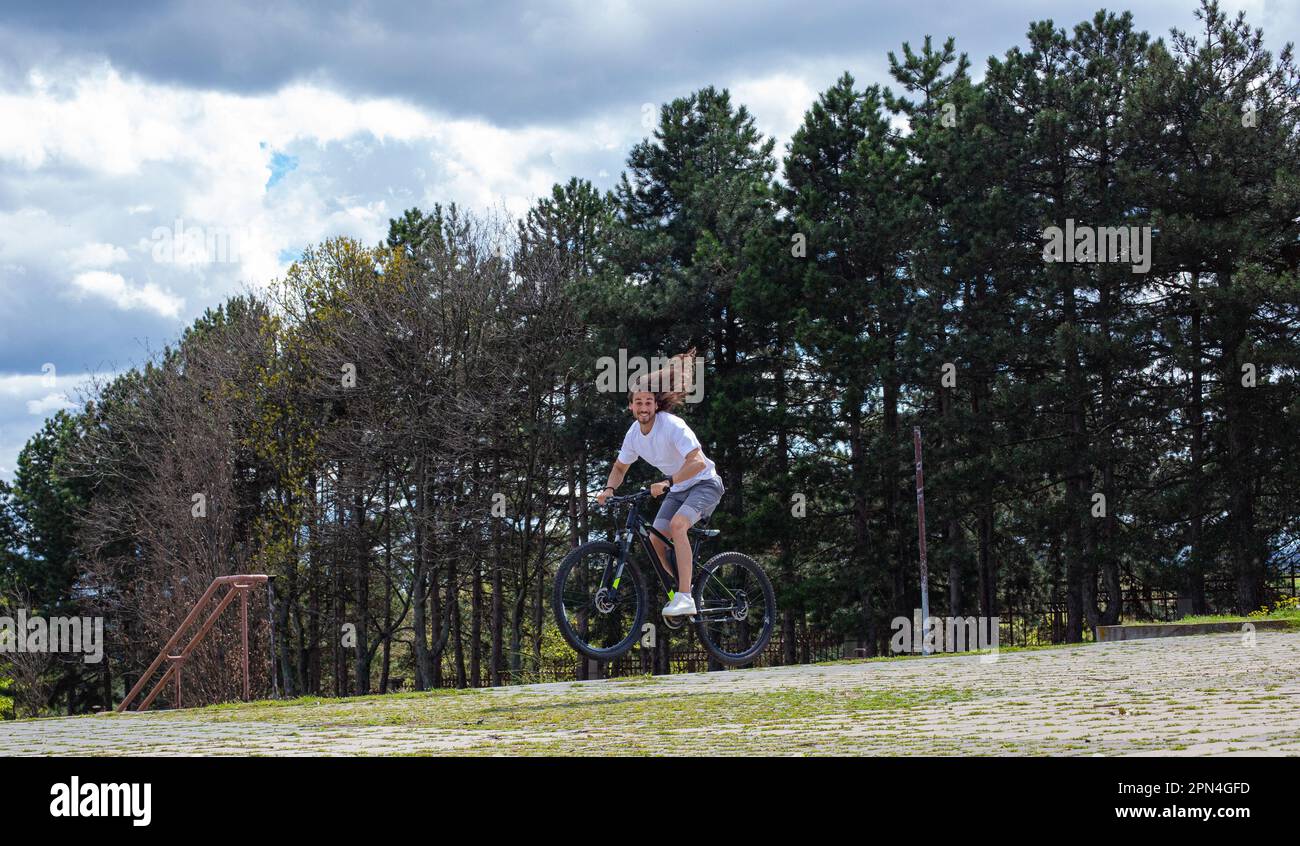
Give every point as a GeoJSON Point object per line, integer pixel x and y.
{"type": "Point", "coordinates": [616, 474]}
{"type": "Point", "coordinates": [694, 463]}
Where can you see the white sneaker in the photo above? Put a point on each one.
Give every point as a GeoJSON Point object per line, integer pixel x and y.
{"type": "Point", "coordinates": [680, 605]}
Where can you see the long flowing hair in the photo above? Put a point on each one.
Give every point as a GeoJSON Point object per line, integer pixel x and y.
{"type": "Point", "coordinates": [671, 384]}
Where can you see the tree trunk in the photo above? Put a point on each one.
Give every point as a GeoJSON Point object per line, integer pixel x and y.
{"type": "Point", "coordinates": [1243, 546]}
{"type": "Point", "coordinates": [419, 583]}
{"type": "Point", "coordinates": [476, 627]}
{"type": "Point", "coordinates": [1194, 586]}
{"type": "Point", "coordinates": [362, 570]}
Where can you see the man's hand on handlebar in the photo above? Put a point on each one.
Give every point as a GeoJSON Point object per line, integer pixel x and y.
{"type": "Point", "coordinates": [658, 488]}
{"type": "Point", "coordinates": [604, 495]}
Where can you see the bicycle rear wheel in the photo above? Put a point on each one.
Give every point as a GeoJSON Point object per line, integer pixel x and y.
{"type": "Point", "coordinates": [737, 608]}
{"type": "Point", "coordinates": [597, 617]}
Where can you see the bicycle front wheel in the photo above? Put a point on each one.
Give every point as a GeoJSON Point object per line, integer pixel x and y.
{"type": "Point", "coordinates": [737, 608]}
{"type": "Point", "coordinates": [598, 611]}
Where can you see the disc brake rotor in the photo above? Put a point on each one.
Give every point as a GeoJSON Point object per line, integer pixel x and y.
{"type": "Point", "coordinates": [741, 611]}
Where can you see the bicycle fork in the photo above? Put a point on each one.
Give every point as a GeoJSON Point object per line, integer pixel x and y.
{"type": "Point", "coordinates": [624, 545]}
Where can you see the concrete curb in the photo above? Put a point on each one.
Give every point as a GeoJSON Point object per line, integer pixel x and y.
{"type": "Point", "coordinates": [1112, 633]}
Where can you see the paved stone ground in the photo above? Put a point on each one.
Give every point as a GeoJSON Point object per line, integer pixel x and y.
{"type": "Point", "coordinates": [1203, 695]}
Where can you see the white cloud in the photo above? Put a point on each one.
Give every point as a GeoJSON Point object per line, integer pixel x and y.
{"type": "Point", "coordinates": [23, 387]}
{"type": "Point", "coordinates": [115, 289]}
{"type": "Point", "coordinates": [19, 385]}
{"type": "Point", "coordinates": [204, 157]}
{"type": "Point", "coordinates": [778, 102]}
{"type": "Point", "coordinates": [95, 255]}
{"type": "Point", "coordinates": [26, 396]}
{"type": "Point", "coordinates": [49, 404]}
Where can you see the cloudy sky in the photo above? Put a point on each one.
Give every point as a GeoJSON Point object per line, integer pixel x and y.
{"type": "Point", "coordinates": [157, 156]}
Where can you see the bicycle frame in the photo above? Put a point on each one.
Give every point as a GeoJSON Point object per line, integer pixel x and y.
{"type": "Point", "coordinates": [636, 526]}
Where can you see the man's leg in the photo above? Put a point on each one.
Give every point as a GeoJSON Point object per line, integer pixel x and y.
{"type": "Point", "coordinates": [680, 526]}
{"type": "Point", "coordinates": [663, 522]}
{"type": "Point", "coordinates": [699, 501]}
{"type": "Point", "coordinates": [661, 550]}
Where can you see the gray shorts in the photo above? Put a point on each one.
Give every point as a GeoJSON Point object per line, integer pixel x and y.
{"type": "Point", "coordinates": [695, 503]}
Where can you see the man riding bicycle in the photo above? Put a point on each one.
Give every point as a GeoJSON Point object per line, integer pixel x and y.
{"type": "Point", "coordinates": [690, 481]}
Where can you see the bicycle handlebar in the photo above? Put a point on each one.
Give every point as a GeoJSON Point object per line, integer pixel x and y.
{"type": "Point", "coordinates": [633, 497]}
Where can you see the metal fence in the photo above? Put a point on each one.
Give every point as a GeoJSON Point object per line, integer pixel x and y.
{"type": "Point", "coordinates": [1033, 627]}
{"type": "Point", "coordinates": [1017, 626]}
{"type": "Point", "coordinates": [689, 658]}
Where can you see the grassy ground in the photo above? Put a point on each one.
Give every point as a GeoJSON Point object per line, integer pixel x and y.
{"type": "Point", "coordinates": [1208, 694]}
{"type": "Point", "coordinates": [1287, 610]}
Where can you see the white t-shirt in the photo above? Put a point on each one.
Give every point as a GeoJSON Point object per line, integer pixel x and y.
{"type": "Point", "coordinates": [666, 447]}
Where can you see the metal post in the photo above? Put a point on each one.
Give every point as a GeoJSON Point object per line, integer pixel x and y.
{"type": "Point", "coordinates": [241, 583]}
{"type": "Point", "coordinates": [243, 626]}
{"type": "Point", "coordinates": [920, 529]}
{"type": "Point", "coordinates": [167, 648]}
{"type": "Point", "coordinates": [176, 674]}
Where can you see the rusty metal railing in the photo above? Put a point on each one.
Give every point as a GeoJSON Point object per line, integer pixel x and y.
{"type": "Point", "coordinates": [239, 585]}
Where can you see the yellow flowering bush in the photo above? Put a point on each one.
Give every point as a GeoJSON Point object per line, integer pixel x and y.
{"type": "Point", "coordinates": [1286, 606]}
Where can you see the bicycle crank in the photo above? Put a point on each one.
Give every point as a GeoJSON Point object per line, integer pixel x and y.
{"type": "Point", "coordinates": [673, 623]}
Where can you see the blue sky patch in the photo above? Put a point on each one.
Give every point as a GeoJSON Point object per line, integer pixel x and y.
{"type": "Point", "coordinates": [281, 165]}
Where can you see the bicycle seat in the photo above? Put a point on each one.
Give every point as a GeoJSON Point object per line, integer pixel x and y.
{"type": "Point", "coordinates": [704, 532]}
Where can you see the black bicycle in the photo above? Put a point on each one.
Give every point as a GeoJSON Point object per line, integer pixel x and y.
{"type": "Point", "coordinates": [601, 601]}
